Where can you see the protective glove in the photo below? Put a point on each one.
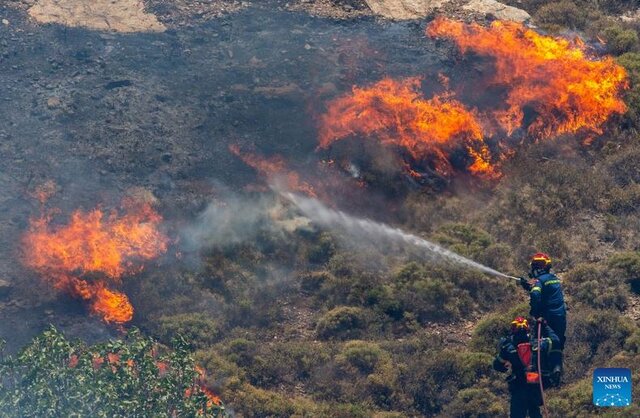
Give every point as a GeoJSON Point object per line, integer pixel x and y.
{"type": "Point", "coordinates": [525, 284]}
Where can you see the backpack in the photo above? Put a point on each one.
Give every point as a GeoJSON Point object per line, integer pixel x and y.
{"type": "Point", "coordinates": [525, 353]}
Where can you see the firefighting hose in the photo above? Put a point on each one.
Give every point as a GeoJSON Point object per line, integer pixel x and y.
{"type": "Point", "coordinates": [544, 402]}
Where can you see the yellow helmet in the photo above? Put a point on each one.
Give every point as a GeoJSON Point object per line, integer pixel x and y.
{"type": "Point", "coordinates": [540, 261]}
{"type": "Point", "coordinates": [519, 324]}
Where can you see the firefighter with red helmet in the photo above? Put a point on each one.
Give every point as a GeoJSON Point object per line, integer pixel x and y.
{"type": "Point", "coordinates": [547, 301]}
{"type": "Point", "coordinates": [518, 354]}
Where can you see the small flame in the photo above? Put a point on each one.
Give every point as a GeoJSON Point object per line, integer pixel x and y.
{"type": "Point", "coordinates": [273, 169]}
{"type": "Point", "coordinates": [569, 90]}
{"type": "Point", "coordinates": [394, 112]}
{"type": "Point", "coordinates": [94, 243]}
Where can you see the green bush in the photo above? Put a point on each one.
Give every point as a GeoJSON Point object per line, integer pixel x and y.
{"type": "Point", "coordinates": [464, 239]}
{"type": "Point", "coordinates": [561, 14]}
{"type": "Point", "coordinates": [321, 250]}
{"type": "Point", "coordinates": [620, 40]}
{"type": "Point", "coordinates": [595, 286]}
{"type": "Point", "coordinates": [624, 200]}
{"type": "Point", "coordinates": [199, 329]}
{"type": "Point", "coordinates": [489, 330]}
{"type": "Point", "coordinates": [343, 322]}
{"type": "Point", "coordinates": [311, 282]}
{"type": "Point", "coordinates": [627, 262]}
{"type": "Point", "coordinates": [361, 355]}
{"type": "Point", "coordinates": [475, 403]}
{"type": "Point", "coordinates": [631, 62]}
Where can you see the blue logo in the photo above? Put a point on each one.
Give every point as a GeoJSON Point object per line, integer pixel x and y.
{"type": "Point", "coordinates": [612, 387]}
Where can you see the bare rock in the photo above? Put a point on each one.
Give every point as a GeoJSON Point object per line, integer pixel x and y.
{"type": "Point", "coordinates": [53, 102]}
{"type": "Point", "coordinates": [498, 10]}
{"type": "Point", "coordinates": [289, 89]}
{"type": "Point", "coordinates": [109, 15]}
{"type": "Point", "coordinates": [404, 9]}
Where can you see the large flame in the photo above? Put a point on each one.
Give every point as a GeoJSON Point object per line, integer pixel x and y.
{"type": "Point", "coordinates": [394, 112]}
{"type": "Point", "coordinates": [103, 246]}
{"type": "Point", "coordinates": [567, 89]}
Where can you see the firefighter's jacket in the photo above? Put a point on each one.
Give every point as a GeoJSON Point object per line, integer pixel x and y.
{"type": "Point", "coordinates": [546, 297]}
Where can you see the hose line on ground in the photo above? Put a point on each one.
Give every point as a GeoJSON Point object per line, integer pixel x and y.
{"type": "Point", "coordinates": [544, 403]}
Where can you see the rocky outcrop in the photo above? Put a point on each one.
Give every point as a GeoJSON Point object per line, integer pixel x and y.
{"type": "Point", "coordinates": [109, 15]}
{"type": "Point", "coordinates": [416, 9]}
{"type": "Point", "coordinates": [404, 9]}
{"type": "Point", "coordinates": [497, 10]}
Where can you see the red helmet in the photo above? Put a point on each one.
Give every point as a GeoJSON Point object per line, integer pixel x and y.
{"type": "Point", "coordinates": [540, 261]}
{"type": "Point", "coordinates": [519, 324]}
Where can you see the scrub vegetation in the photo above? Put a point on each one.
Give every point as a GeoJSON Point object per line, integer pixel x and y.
{"type": "Point", "coordinates": [358, 333]}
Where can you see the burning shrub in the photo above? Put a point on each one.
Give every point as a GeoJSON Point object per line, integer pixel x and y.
{"type": "Point", "coordinates": [108, 246]}
{"type": "Point", "coordinates": [344, 322]}
{"type": "Point", "coordinates": [429, 131]}
{"type": "Point", "coordinates": [558, 80]}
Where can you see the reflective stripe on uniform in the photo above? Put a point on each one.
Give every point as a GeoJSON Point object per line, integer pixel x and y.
{"type": "Point", "coordinates": [552, 282]}
{"type": "Point", "coordinates": [535, 289]}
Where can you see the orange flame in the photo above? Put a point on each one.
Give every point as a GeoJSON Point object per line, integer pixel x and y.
{"type": "Point", "coordinates": [108, 246]}
{"type": "Point", "coordinates": [568, 89]}
{"type": "Point", "coordinates": [272, 169]}
{"type": "Point", "coordinates": [213, 399]}
{"type": "Point", "coordinates": [396, 114]}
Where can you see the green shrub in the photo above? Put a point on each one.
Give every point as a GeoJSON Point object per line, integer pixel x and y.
{"type": "Point", "coordinates": [241, 351]}
{"type": "Point", "coordinates": [620, 40]}
{"type": "Point", "coordinates": [624, 200]}
{"type": "Point", "coordinates": [632, 343]}
{"type": "Point", "coordinates": [464, 239]}
{"type": "Point", "coordinates": [573, 401]}
{"type": "Point", "coordinates": [322, 250]}
{"type": "Point", "coordinates": [631, 62]}
{"type": "Point", "coordinates": [198, 328]}
{"type": "Point", "coordinates": [561, 14]}
{"type": "Point", "coordinates": [627, 262]}
{"type": "Point", "coordinates": [361, 355]}
{"type": "Point", "coordinates": [617, 7]}
{"type": "Point", "coordinates": [595, 286]}
{"type": "Point", "coordinates": [475, 403]}
{"type": "Point", "coordinates": [384, 299]}
{"type": "Point", "coordinates": [343, 322]}
{"type": "Point", "coordinates": [488, 331]}
{"type": "Point", "coordinates": [311, 282]}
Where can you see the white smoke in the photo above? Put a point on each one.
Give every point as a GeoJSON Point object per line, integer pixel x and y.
{"type": "Point", "coordinates": [379, 234]}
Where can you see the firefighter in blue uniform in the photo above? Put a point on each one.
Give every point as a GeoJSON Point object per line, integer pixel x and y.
{"type": "Point", "coordinates": [547, 301]}
{"type": "Point", "coordinates": [518, 353]}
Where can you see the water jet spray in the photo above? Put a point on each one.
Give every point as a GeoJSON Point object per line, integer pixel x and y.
{"type": "Point", "coordinates": [319, 213]}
